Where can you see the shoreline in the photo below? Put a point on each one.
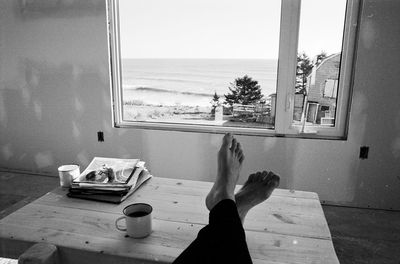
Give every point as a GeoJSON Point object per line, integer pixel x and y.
{"type": "Point", "coordinates": [148, 112]}
{"type": "Point", "coordinates": [183, 114]}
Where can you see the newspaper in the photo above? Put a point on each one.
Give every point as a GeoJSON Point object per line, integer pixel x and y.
{"type": "Point", "coordinates": [110, 173]}
{"type": "Point", "coordinates": [109, 179]}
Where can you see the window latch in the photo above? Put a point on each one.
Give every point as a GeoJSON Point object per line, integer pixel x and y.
{"type": "Point", "coordinates": [289, 100]}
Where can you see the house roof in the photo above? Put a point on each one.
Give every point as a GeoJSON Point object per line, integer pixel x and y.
{"type": "Point", "coordinates": [327, 59]}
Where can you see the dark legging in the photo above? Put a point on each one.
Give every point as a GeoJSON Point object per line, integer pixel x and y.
{"type": "Point", "coordinates": [223, 240]}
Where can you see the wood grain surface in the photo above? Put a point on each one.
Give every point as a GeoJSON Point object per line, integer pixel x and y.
{"type": "Point", "coordinates": [289, 227]}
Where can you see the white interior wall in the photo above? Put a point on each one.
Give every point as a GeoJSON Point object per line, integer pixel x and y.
{"type": "Point", "coordinates": [55, 96]}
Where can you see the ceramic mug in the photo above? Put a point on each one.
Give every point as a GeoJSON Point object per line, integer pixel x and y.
{"type": "Point", "coordinates": [138, 220]}
{"type": "Point", "coordinates": [67, 174]}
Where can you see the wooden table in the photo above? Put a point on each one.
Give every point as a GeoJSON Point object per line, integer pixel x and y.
{"type": "Point", "coordinates": [289, 227]}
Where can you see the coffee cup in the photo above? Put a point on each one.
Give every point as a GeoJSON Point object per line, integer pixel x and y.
{"type": "Point", "coordinates": [138, 220]}
{"type": "Point", "coordinates": [67, 174]}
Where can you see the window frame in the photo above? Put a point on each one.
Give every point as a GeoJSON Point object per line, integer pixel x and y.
{"type": "Point", "coordinates": [333, 92]}
{"type": "Point", "coordinates": [286, 78]}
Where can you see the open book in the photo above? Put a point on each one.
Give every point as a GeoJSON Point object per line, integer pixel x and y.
{"type": "Point", "coordinates": [109, 179]}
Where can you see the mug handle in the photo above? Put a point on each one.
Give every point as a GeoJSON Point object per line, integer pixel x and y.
{"type": "Point", "coordinates": [116, 223]}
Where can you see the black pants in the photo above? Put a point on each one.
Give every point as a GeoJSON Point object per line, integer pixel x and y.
{"type": "Point", "coordinates": [223, 240]}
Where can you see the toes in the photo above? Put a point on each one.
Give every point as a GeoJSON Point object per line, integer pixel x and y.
{"type": "Point", "coordinates": [234, 144]}
{"type": "Point", "coordinates": [226, 140]}
{"type": "Point", "coordinates": [272, 179]}
{"type": "Point", "coordinates": [241, 157]}
{"type": "Point", "coordinates": [258, 176]}
{"type": "Point", "coordinates": [264, 175]}
{"type": "Point", "coordinates": [252, 177]}
{"type": "Point", "coordinates": [238, 148]}
{"type": "Point", "coordinates": [239, 152]}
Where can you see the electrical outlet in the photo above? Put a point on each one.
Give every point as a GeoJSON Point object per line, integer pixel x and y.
{"type": "Point", "coordinates": [364, 152]}
{"type": "Point", "coordinates": [100, 136]}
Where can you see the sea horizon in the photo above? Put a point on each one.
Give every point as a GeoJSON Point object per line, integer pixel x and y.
{"type": "Point", "coordinates": [191, 81]}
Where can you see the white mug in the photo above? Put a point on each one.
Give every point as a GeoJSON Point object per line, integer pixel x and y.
{"type": "Point", "coordinates": [138, 220]}
{"type": "Point", "coordinates": [67, 174]}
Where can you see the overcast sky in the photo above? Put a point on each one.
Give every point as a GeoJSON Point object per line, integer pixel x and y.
{"type": "Point", "coordinates": [223, 28]}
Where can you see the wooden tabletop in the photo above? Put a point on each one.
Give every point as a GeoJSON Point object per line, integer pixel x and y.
{"type": "Point", "coordinates": [289, 227]}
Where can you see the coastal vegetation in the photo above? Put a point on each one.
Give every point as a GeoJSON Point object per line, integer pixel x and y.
{"type": "Point", "coordinates": [242, 104]}
{"type": "Point", "coordinates": [245, 91]}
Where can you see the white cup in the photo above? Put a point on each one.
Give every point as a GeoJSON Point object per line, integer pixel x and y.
{"type": "Point", "coordinates": [67, 174]}
{"type": "Point", "coordinates": [138, 220]}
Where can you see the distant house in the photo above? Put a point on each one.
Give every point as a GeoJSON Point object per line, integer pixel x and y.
{"type": "Point", "coordinates": [298, 105]}
{"type": "Point", "coordinates": [322, 90]}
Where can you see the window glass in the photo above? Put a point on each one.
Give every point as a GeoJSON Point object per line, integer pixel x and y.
{"type": "Point", "coordinates": [201, 62]}
{"type": "Point", "coordinates": [318, 61]}
{"type": "Point", "coordinates": [212, 65]}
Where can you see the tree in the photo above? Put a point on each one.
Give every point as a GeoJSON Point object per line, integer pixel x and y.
{"type": "Point", "coordinates": [320, 57]}
{"type": "Point", "coordinates": [215, 103]}
{"type": "Point", "coordinates": [244, 91]}
{"type": "Point", "coordinates": [303, 69]}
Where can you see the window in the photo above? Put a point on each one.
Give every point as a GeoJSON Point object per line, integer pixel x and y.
{"type": "Point", "coordinates": [330, 88]}
{"type": "Point", "coordinates": [249, 67]}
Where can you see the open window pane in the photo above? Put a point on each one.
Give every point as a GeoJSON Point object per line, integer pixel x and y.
{"type": "Point", "coordinates": [199, 62]}
{"type": "Point", "coordinates": [319, 62]}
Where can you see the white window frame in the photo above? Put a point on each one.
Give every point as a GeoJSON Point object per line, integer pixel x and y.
{"type": "Point", "coordinates": [287, 61]}
{"type": "Point", "coordinates": [332, 88]}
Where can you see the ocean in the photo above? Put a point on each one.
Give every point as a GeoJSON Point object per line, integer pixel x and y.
{"type": "Point", "coordinates": [191, 81]}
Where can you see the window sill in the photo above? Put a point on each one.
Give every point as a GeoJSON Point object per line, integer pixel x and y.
{"type": "Point", "coordinates": [209, 129]}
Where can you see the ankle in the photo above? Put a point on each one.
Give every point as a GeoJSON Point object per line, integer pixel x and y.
{"type": "Point", "coordinates": [242, 213]}
{"type": "Point", "coordinates": [226, 179]}
{"type": "Point", "coordinates": [242, 204]}
{"type": "Point", "coordinates": [224, 186]}
{"type": "Point", "coordinates": [222, 194]}
{"type": "Point", "coordinates": [216, 195]}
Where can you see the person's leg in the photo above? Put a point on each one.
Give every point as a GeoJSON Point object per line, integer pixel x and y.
{"type": "Point", "coordinates": [224, 230]}
{"type": "Point", "coordinates": [223, 239]}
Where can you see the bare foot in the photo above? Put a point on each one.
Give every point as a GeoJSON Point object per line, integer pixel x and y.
{"type": "Point", "coordinates": [230, 159]}
{"type": "Point", "coordinates": [255, 190]}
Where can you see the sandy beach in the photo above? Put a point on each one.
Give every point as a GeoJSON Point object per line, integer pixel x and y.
{"type": "Point", "coordinates": [166, 113]}
{"type": "Point", "coordinates": [200, 115]}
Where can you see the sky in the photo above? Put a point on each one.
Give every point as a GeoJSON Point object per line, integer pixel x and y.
{"type": "Point", "coordinates": [223, 28]}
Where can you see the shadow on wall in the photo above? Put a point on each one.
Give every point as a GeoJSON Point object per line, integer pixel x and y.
{"type": "Point", "coordinates": [53, 115]}
{"type": "Point", "coordinates": [54, 84]}
{"type": "Point", "coordinates": [190, 156]}
{"type": "Point", "coordinates": [379, 179]}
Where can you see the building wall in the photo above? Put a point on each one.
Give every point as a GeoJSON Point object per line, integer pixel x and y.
{"type": "Point", "coordinates": [329, 69]}
{"type": "Point", "coordinates": [55, 96]}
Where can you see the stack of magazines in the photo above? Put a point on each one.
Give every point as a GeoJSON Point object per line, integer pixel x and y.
{"type": "Point", "coordinates": [109, 179]}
